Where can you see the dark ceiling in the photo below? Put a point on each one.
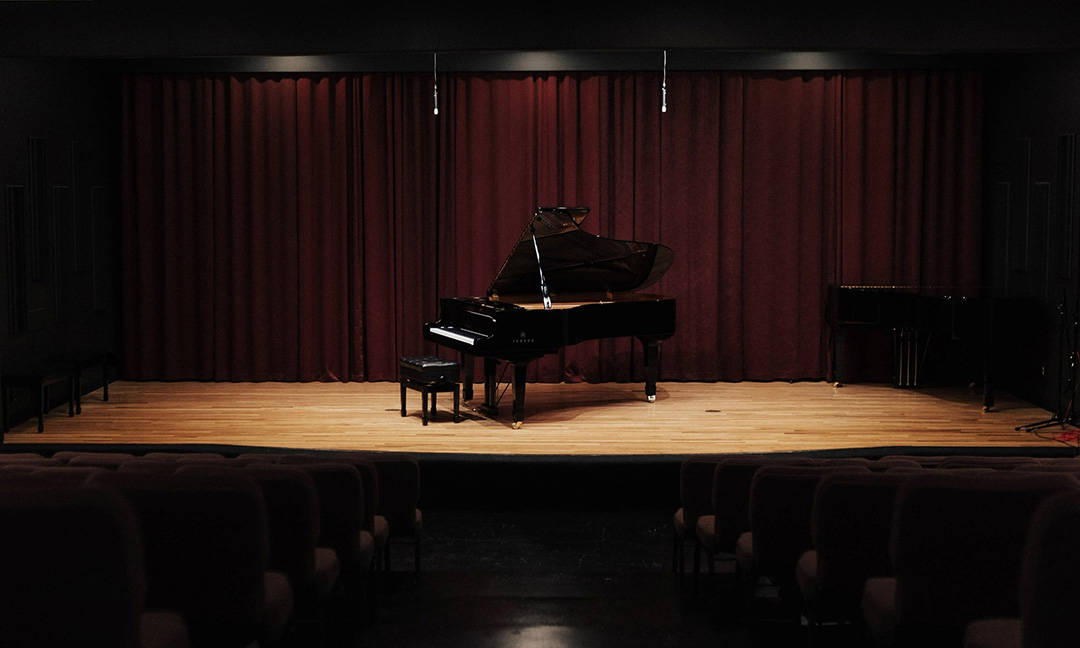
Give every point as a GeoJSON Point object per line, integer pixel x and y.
{"type": "Point", "coordinates": [126, 29]}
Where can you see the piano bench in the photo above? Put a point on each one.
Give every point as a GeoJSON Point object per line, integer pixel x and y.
{"type": "Point", "coordinates": [430, 375]}
{"type": "Point", "coordinates": [37, 381]}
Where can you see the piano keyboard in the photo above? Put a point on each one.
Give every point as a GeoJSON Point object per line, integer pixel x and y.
{"type": "Point", "coordinates": [453, 335]}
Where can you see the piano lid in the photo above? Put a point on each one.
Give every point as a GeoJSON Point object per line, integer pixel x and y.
{"type": "Point", "coordinates": [575, 261]}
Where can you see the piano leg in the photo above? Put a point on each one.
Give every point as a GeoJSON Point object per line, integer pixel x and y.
{"type": "Point", "coordinates": [491, 388]}
{"type": "Point", "coordinates": [519, 393]}
{"type": "Point", "coordinates": [652, 357]}
{"type": "Point", "coordinates": [467, 373]}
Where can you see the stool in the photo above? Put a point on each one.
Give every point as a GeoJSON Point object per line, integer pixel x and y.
{"type": "Point", "coordinates": [430, 375]}
{"type": "Point", "coordinates": [38, 381]}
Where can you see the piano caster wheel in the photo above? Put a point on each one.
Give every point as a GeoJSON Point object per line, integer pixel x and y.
{"type": "Point", "coordinates": [651, 398]}
{"type": "Point", "coordinates": [516, 425]}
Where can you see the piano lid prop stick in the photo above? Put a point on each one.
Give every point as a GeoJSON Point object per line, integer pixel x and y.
{"type": "Point", "coordinates": [543, 282]}
{"type": "Point", "coordinates": [435, 80]}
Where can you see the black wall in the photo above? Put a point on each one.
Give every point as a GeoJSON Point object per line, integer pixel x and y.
{"type": "Point", "coordinates": [1032, 206]}
{"type": "Point", "coordinates": [58, 184]}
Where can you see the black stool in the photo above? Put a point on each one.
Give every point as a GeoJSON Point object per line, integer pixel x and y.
{"type": "Point", "coordinates": [430, 375]}
{"type": "Point", "coordinates": [37, 381]}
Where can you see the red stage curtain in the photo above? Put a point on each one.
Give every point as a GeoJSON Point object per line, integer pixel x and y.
{"type": "Point", "coordinates": [303, 228]}
{"type": "Point", "coordinates": [911, 189]}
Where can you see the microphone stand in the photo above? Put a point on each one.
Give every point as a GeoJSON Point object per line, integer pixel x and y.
{"type": "Point", "coordinates": [543, 282]}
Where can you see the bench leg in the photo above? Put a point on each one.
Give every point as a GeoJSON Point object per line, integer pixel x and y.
{"type": "Point", "coordinates": [403, 399]}
{"type": "Point", "coordinates": [434, 395]}
{"type": "Point", "coordinates": [105, 380]}
{"type": "Point", "coordinates": [423, 411]}
{"type": "Point", "coordinates": [457, 393]}
{"type": "Point", "coordinates": [71, 396]}
{"type": "Point", "coordinates": [78, 393]}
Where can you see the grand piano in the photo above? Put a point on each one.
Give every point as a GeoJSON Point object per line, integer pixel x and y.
{"type": "Point", "coordinates": [558, 286]}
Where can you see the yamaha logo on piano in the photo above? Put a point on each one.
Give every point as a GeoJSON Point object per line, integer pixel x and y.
{"type": "Point", "coordinates": [523, 338]}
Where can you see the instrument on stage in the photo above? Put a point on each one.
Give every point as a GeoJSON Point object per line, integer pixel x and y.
{"type": "Point", "coordinates": [920, 319]}
{"type": "Point", "coordinates": [558, 286]}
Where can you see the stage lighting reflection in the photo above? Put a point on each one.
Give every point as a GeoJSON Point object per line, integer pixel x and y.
{"type": "Point", "coordinates": [542, 636]}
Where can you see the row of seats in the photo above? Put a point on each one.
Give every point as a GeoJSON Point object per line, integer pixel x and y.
{"type": "Point", "coordinates": [174, 549]}
{"type": "Point", "coordinates": [911, 550]}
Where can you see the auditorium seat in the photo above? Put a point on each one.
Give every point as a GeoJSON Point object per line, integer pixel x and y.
{"type": "Point", "coordinates": [374, 524]}
{"type": "Point", "coordinates": [729, 514]}
{"type": "Point", "coordinates": [888, 463]}
{"type": "Point", "coordinates": [1049, 584]}
{"type": "Point", "coordinates": [956, 546]}
{"type": "Point", "coordinates": [25, 457]}
{"type": "Point", "coordinates": [927, 461]}
{"type": "Point", "coordinates": [143, 465]}
{"type": "Point", "coordinates": [293, 517]}
{"type": "Point", "coordinates": [399, 501]}
{"type": "Point", "coordinates": [695, 499]}
{"type": "Point", "coordinates": [111, 460]}
{"type": "Point", "coordinates": [206, 552]}
{"type": "Point", "coordinates": [781, 508]}
{"type": "Point", "coordinates": [341, 514]}
{"type": "Point", "coordinates": [997, 463]}
{"type": "Point", "coordinates": [850, 530]}
{"type": "Point", "coordinates": [73, 475]}
{"type": "Point", "coordinates": [185, 456]}
{"type": "Point", "coordinates": [55, 592]}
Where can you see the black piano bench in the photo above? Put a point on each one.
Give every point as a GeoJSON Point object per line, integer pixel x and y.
{"type": "Point", "coordinates": [37, 380]}
{"type": "Point", "coordinates": [430, 375]}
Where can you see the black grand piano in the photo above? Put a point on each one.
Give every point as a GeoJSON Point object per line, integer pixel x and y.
{"type": "Point", "coordinates": [559, 286]}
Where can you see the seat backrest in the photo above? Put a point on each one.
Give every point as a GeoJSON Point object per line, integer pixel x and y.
{"type": "Point", "coordinates": [781, 509]}
{"type": "Point", "coordinates": [111, 460]}
{"type": "Point", "coordinates": [292, 515]}
{"type": "Point", "coordinates": [927, 461]}
{"type": "Point", "coordinates": [143, 465]}
{"type": "Point", "coordinates": [1050, 578]}
{"type": "Point", "coordinates": [27, 459]}
{"type": "Point", "coordinates": [368, 475]}
{"type": "Point", "coordinates": [695, 486]}
{"type": "Point", "coordinates": [978, 461]}
{"type": "Point", "coordinates": [185, 456]}
{"type": "Point", "coordinates": [340, 491]}
{"type": "Point", "coordinates": [205, 543]}
{"type": "Point", "coordinates": [850, 530]}
{"type": "Point", "coordinates": [73, 475]}
{"type": "Point", "coordinates": [399, 491]}
{"type": "Point", "coordinates": [731, 491]}
{"type": "Point", "coordinates": [888, 463]}
{"type": "Point", "coordinates": [957, 542]}
{"type": "Point", "coordinates": [72, 567]}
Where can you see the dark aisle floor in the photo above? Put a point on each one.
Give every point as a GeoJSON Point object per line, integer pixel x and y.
{"type": "Point", "coordinates": [536, 578]}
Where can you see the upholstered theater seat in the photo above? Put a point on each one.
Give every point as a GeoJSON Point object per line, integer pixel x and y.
{"type": "Point", "coordinates": [850, 530]}
{"type": "Point", "coordinates": [956, 547]}
{"type": "Point", "coordinates": [55, 592]}
{"type": "Point", "coordinates": [206, 550]}
{"type": "Point", "coordinates": [1049, 584]}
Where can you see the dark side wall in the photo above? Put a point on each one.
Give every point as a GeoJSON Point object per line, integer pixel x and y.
{"type": "Point", "coordinates": [58, 183]}
{"type": "Point", "coordinates": [1032, 199]}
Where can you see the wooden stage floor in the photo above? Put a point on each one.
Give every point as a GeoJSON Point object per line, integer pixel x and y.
{"type": "Point", "coordinates": [611, 419]}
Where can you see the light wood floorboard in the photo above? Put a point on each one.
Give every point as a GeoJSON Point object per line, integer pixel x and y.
{"type": "Point", "coordinates": [561, 419]}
